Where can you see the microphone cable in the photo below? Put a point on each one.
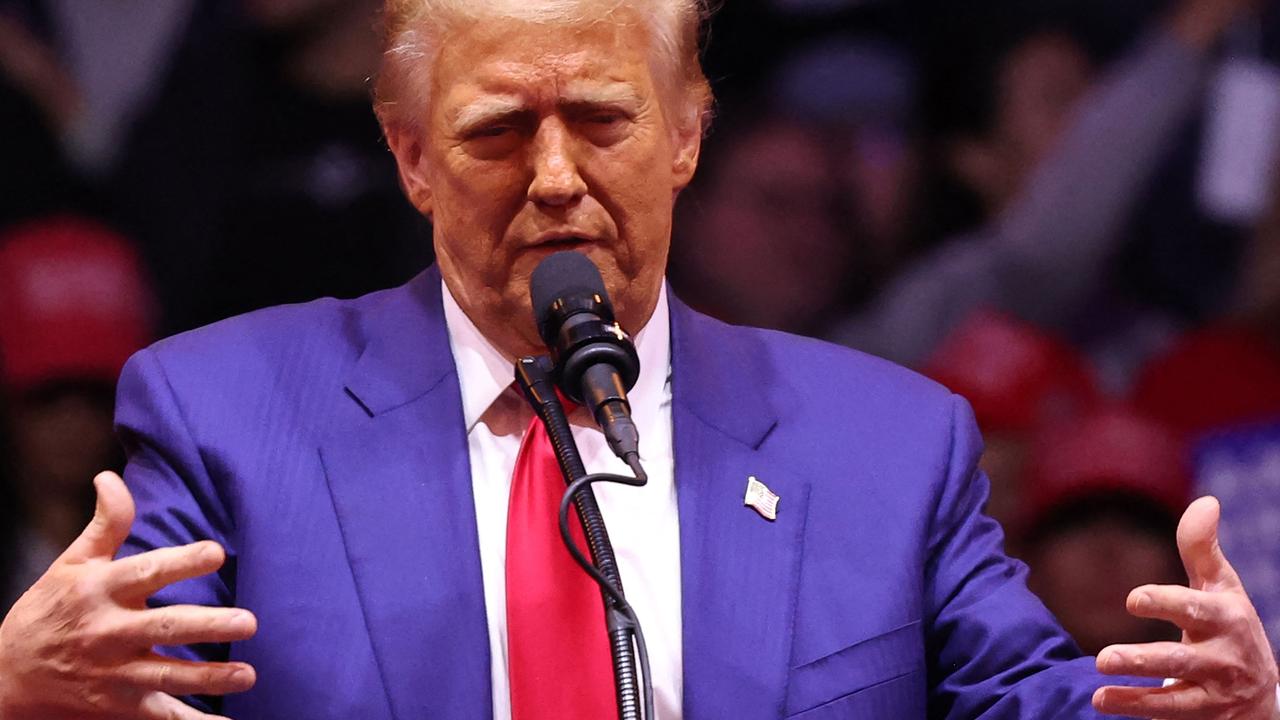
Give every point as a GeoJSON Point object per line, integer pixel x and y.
{"type": "Point", "coordinates": [620, 603]}
{"type": "Point", "coordinates": [533, 375]}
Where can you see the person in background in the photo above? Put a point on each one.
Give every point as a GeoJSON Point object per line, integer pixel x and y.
{"type": "Point", "coordinates": [866, 89]}
{"type": "Point", "coordinates": [261, 177]}
{"type": "Point", "coordinates": [764, 238]}
{"type": "Point", "coordinates": [1019, 380]}
{"type": "Point", "coordinates": [74, 305]}
{"type": "Point", "coordinates": [37, 100]}
{"type": "Point", "coordinates": [97, 66]}
{"type": "Point", "coordinates": [1219, 387]}
{"type": "Point", "coordinates": [1058, 161]}
{"type": "Point", "coordinates": [802, 207]}
{"type": "Point", "coordinates": [1226, 373]}
{"type": "Point", "coordinates": [1105, 492]}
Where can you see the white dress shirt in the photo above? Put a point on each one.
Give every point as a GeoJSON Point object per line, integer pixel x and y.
{"type": "Point", "coordinates": [642, 522]}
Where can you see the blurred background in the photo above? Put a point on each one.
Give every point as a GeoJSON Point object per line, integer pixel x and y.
{"type": "Point", "coordinates": [1066, 210]}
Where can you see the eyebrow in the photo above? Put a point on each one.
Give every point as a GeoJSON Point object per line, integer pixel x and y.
{"type": "Point", "coordinates": [600, 94]}
{"type": "Point", "coordinates": [490, 108]}
{"type": "Point", "coordinates": [486, 109]}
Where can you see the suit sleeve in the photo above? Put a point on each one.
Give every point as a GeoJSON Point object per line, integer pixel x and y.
{"type": "Point", "coordinates": [177, 500]}
{"type": "Point", "coordinates": [995, 651]}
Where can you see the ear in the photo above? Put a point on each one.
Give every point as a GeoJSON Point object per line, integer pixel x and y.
{"type": "Point", "coordinates": [978, 164]}
{"type": "Point", "coordinates": [688, 147]}
{"type": "Point", "coordinates": [406, 146]}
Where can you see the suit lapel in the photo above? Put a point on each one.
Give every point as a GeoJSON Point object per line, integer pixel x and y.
{"type": "Point", "coordinates": [739, 571]}
{"type": "Point", "coordinates": [401, 484]}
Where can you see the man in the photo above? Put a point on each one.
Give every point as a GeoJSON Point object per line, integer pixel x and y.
{"type": "Point", "coordinates": [1055, 159]}
{"type": "Point", "coordinates": [322, 446]}
{"type": "Point", "coordinates": [1019, 380]}
{"type": "Point", "coordinates": [278, 201]}
{"type": "Point", "coordinates": [74, 305]}
{"type": "Point", "coordinates": [1105, 491]}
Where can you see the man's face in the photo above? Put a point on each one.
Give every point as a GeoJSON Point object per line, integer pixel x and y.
{"type": "Point", "coordinates": [1004, 461]}
{"type": "Point", "coordinates": [541, 138]}
{"type": "Point", "coordinates": [1042, 83]}
{"type": "Point", "coordinates": [62, 436]}
{"type": "Point", "coordinates": [1085, 574]}
{"type": "Point", "coordinates": [769, 244]}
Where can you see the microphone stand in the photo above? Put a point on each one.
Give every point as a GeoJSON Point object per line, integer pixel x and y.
{"type": "Point", "coordinates": [533, 375]}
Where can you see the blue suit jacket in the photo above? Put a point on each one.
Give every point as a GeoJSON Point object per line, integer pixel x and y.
{"type": "Point", "coordinates": [323, 446]}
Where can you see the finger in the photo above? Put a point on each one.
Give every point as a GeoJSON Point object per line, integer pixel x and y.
{"type": "Point", "coordinates": [1155, 660]}
{"type": "Point", "coordinates": [159, 706]}
{"type": "Point", "coordinates": [185, 677]}
{"type": "Point", "coordinates": [1180, 701]}
{"type": "Point", "coordinates": [185, 625]}
{"type": "Point", "coordinates": [1195, 611]}
{"type": "Point", "coordinates": [1206, 566]}
{"type": "Point", "coordinates": [110, 525]}
{"type": "Point", "coordinates": [141, 576]}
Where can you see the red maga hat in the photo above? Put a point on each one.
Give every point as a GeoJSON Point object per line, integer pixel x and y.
{"type": "Point", "coordinates": [1112, 450]}
{"type": "Point", "coordinates": [1017, 377]}
{"type": "Point", "coordinates": [1216, 377]}
{"type": "Point", "coordinates": [74, 304]}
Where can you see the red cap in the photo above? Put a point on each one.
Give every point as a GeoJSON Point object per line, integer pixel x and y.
{"type": "Point", "coordinates": [73, 303]}
{"type": "Point", "coordinates": [1017, 377]}
{"type": "Point", "coordinates": [1111, 450]}
{"type": "Point", "coordinates": [1215, 377]}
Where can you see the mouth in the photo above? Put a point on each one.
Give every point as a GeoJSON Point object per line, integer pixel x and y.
{"type": "Point", "coordinates": [556, 241]}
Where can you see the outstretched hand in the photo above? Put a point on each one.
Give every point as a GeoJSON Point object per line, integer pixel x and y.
{"type": "Point", "coordinates": [1223, 667]}
{"type": "Point", "coordinates": [79, 644]}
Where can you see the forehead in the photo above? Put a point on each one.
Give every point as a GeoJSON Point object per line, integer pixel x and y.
{"type": "Point", "coordinates": [540, 61]}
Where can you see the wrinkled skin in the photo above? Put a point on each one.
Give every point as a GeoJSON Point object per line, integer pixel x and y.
{"type": "Point", "coordinates": [1224, 666]}
{"type": "Point", "coordinates": [541, 139]}
{"type": "Point", "coordinates": [79, 644]}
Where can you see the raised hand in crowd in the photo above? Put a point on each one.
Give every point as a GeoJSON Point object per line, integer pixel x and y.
{"type": "Point", "coordinates": [33, 67]}
{"type": "Point", "coordinates": [1203, 22]}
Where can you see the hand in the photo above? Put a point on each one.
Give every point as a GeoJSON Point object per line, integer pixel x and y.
{"type": "Point", "coordinates": [79, 643]}
{"type": "Point", "coordinates": [34, 69]}
{"type": "Point", "coordinates": [1223, 666]}
{"type": "Point", "coordinates": [1202, 23]}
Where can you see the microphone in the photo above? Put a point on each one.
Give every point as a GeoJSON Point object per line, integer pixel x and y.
{"type": "Point", "coordinates": [595, 361]}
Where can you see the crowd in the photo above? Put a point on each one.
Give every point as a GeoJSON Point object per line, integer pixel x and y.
{"type": "Point", "coordinates": [1067, 212]}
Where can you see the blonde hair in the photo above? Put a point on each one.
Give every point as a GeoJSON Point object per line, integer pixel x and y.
{"type": "Point", "coordinates": [414, 29]}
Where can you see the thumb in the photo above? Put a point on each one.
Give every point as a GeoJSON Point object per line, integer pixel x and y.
{"type": "Point", "coordinates": [110, 525]}
{"type": "Point", "coordinates": [1206, 565]}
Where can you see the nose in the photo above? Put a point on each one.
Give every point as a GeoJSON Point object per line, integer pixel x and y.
{"type": "Point", "coordinates": [556, 179]}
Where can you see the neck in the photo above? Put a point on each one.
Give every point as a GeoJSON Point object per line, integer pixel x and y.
{"type": "Point", "coordinates": [338, 55]}
{"type": "Point", "coordinates": [516, 340]}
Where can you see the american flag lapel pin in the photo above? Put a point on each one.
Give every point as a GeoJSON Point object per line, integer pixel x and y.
{"type": "Point", "coordinates": [760, 498]}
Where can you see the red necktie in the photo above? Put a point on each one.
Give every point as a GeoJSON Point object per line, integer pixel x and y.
{"type": "Point", "coordinates": [559, 665]}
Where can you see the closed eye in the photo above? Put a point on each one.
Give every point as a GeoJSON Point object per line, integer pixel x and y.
{"type": "Point", "coordinates": [597, 113]}
{"type": "Point", "coordinates": [606, 118]}
{"type": "Point", "coordinates": [490, 131]}
{"type": "Point", "coordinates": [496, 125]}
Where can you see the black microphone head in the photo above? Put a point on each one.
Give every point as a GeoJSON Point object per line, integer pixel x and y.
{"type": "Point", "coordinates": [562, 276]}
{"type": "Point", "coordinates": [576, 321]}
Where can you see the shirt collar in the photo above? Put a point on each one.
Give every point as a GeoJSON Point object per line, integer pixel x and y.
{"type": "Point", "coordinates": [484, 374]}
